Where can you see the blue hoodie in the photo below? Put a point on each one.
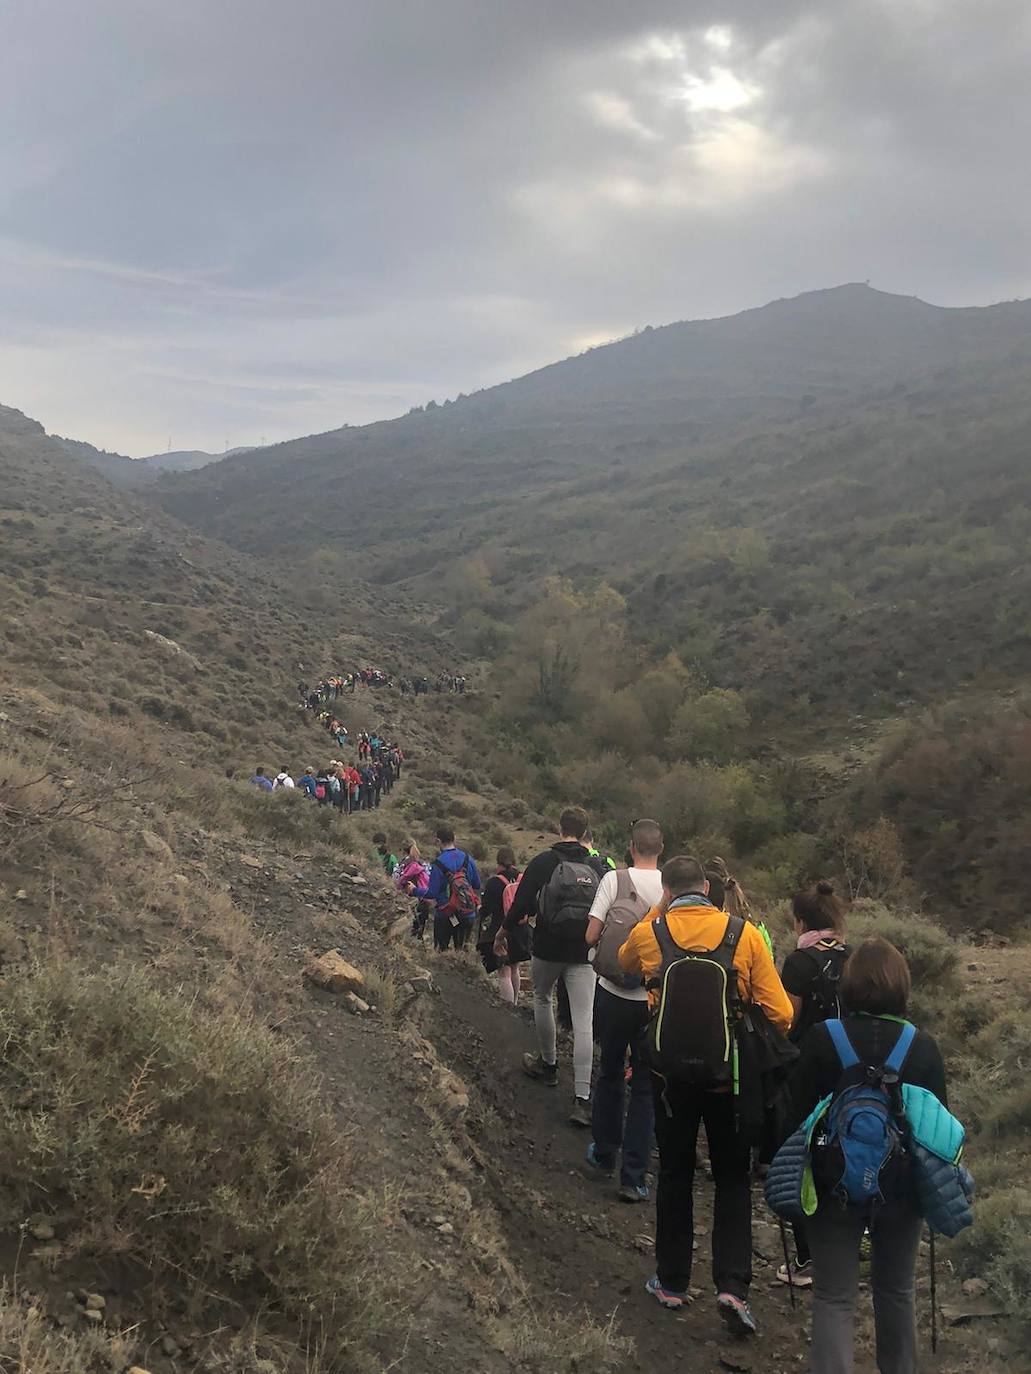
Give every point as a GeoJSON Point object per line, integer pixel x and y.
{"type": "Point", "coordinates": [451, 859]}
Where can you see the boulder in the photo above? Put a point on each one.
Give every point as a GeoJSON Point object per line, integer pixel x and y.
{"type": "Point", "coordinates": [251, 861]}
{"type": "Point", "coordinates": [451, 1094]}
{"type": "Point", "coordinates": [171, 647]}
{"type": "Point", "coordinates": [155, 845]}
{"type": "Point", "coordinates": [332, 972]}
{"type": "Point", "coordinates": [355, 879]}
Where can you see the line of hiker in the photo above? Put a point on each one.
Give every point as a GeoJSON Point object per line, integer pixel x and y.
{"type": "Point", "coordinates": [811, 1077]}
{"type": "Point", "coordinates": [333, 686]}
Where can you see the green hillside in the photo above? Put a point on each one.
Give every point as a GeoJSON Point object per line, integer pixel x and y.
{"type": "Point", "coordinates": [759, 542]}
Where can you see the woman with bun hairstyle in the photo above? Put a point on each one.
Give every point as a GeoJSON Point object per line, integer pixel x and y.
{"type": "Point", "coordinates": [812, 977]}
{"type": "Point", "coordinates": [875, 989]}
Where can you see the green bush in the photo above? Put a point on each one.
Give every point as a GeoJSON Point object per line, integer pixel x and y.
{"type": "Point", "coordinates": [185, 1139]}
{"type": "Point", "coordinates": [931, 953]}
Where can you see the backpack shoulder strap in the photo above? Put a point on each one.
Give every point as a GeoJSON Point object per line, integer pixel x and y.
{"type": "Point", "coordinates": [903, 1045]}
{"type": "Point", "coordinates": [732, 934]}
{"type": "Point", "coordinates": [843, 1045]}
{"type": "Point", "coordinates": [668, 947]}
{"type": "Point", "coordinates": [624, 885]}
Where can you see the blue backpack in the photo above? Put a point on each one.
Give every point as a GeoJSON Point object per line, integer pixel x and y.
{"type": "Point", "coordinates": [862, 1138]}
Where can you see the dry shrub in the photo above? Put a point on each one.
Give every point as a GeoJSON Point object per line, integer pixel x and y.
{"type": "Point", "coordinates": [30, 1345]}
{"type": "Point", "coordinates": [931, 953]}
{"type": "Point", "coordinates": [184, 1138]}
{"type": "Point", "coordinates": [556, 1344]}
{"type": "Point", "coordinates": [998, 1246]}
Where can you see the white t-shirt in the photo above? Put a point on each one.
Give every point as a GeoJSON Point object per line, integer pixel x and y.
{"type": "Point", "coordinates": [648, 886]}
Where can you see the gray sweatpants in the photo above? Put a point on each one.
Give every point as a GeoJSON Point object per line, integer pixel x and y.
{"type": "Point", "coordinates": [579, 980]}
{"type": "Point", "coordinates": [834, 1239]}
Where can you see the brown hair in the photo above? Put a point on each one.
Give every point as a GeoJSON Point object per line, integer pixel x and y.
{"type": "Point", "coordinates": [819, 907]}
{"type": "Point", "coordinates": [725, 891]}
{"type": "Point", "coordinates": [876, 979]}
{"type": "Point", "coordinates": [646, 837]}
{"type": "Point", "coordinates": [574, 822]}
{"type": "Point", "coordinates": [506, 856]}
{"type": "Point", "coordinates": [683, 874]}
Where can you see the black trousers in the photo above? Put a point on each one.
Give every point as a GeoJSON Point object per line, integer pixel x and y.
{"type": "Point", "coordinates": [679, 1111]}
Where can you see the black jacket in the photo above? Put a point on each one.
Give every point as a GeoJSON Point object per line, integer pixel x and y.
{"type": "Point", "coordinates": [527, 899]}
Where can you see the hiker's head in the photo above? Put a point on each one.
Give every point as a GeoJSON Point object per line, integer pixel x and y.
{"type": "Point", "coordinates": [506, 857]}
{"type": "Point", "coordinates": [683, 875]}
{"type": "Point", "coordinates": [818, 907]}
{"type": "Point", "coordinates": [573, 823]}
{"type": "Point", "coordinates": [379, 840]}
{"type": "Point", "coordinates": [876, 979]}
{"type": "Point", "coordinates": [725, 891]}
{"type": "Point", "coordinates": [445, 835]}
{"type": "Point", "coordinates": [645, 840]}
{"type": "Point", "coordinates": [259, 772]}
{"type": "Point", "coordinates": [412, 849]}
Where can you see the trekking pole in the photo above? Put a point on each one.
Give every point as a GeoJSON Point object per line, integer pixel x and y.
{"type": "Point", "coordinates": [934, 1297]}
{"type": "Point", "coordinates": [787, 1258]}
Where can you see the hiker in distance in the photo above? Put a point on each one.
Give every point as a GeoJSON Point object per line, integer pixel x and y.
{"type": "Point", "coordinates": [558, 888]}
{"type": "Point", "coordinates": [454, 890]}
{"type": "Point", "coordinates": [697, 962]}
{"type": "Point", "coordinates": [622, 1129]}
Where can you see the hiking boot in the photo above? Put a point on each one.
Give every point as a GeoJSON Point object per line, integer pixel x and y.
{"type": "Point", "coordinates": [581, 1113]}
{"type": "Point", "coordinates": [595, 1169]}
{"type": "Point", "coordinates": [737, 1315]}
{"type": "Point", "coordinates": [800, 1275]}
{"type": "Point", "coordinates": [665, 1297]}
{"type": "Point", "coordinates": [634, 1192]}
{"type": "Point", "coordinates": [535, 1067]}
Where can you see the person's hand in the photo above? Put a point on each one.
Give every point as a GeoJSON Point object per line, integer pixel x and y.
{"type": "Point", "coordinates": [501, 944]}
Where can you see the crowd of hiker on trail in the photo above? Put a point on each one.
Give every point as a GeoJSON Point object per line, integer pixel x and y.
{"type": "Point", "coordinates": [335, 685]}
{"type": "Point", "coordinates": [809, 1077]}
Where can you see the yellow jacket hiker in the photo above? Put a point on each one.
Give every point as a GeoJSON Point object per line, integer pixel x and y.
{"type": "Point", "coordinates": [681, 1107]}
{"type": "Point", "coordinates": [703, 927]}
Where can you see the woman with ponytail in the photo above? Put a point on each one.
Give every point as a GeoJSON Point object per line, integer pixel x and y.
{"type": "Point", "coordinates": [726, 893]}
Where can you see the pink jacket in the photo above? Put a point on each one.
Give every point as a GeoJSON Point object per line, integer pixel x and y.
{"type": "Point", "coordinates": [412, 871]}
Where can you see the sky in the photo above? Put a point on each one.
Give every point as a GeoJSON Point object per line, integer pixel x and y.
{"type": "Point", "coordinates": [225, 222]}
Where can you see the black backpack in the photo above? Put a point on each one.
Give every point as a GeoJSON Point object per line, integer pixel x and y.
{"type": "Point", "coordinates": [567, 898]}
{"type": "Point", "coordinates": [692, 1034]}
{"type": "Point", "coordinates": [822, 1001]}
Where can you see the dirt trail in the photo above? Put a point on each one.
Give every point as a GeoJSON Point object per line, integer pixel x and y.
{"type": "Point", "coordinates": [578, 1244]}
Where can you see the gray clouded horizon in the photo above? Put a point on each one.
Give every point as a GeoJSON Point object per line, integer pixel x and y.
{"type": "Point", "coordinates": [238, 219]}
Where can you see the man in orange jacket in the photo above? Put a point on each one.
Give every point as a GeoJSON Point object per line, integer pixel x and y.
{"type": "Point", "coordinates": [695, 924]}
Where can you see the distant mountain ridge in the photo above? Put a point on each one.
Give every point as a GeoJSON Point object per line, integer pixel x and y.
{"type": "Point", "coordinates": [824, 503]}
{"type": "Point", "coordinates": [138, 472]}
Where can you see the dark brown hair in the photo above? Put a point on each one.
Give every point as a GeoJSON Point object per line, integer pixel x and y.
{"type": "Point", "coordinates": [876, 979]}
{"type": "Point", "coordinates": [445, 834]}
{"type": "Point", "coordinates": [683, 874]}
{"type": "Point", "coordinates": [819, 907]}
{"type": "Point", "coordinates": [506, 857]}
{"type": "Point", "coordinates": [646, 837]}
{"type": "Point", "coordinates": [574, 822]}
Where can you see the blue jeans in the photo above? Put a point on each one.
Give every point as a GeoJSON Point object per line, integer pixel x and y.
{"type": "Point", "coordinates": [620, 1025]}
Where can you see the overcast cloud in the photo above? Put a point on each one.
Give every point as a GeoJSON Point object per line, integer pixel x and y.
{"type": "Point", "coordinates": [222, 220]}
